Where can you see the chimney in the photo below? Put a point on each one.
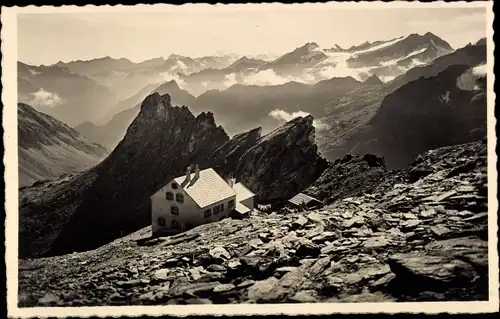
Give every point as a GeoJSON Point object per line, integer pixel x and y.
{"type": "Point", "coordinates": [188, 176]}
{"type": "Point", "coordinates": [231, 182]}
{"type": "Point", "coordinates": [196, 172]}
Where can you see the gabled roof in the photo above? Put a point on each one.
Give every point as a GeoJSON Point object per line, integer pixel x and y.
{"type": "Point", "coordinates": [303, 198]}
{"type": "Point", "coordinates": [208, 189]}
{"type": "Point", "coordinates": [242, 192]}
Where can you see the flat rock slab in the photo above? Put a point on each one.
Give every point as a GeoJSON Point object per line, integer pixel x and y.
{"type": "Point", "coordinates": [439, 269]}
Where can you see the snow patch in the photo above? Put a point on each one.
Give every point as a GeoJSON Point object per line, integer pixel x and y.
{"type": "Point", "coordinates": [378, 47]}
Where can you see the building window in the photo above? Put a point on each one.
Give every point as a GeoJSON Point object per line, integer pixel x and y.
{"type": "Point", "coordinates": [169, 196]}
{"type": "Point", "coordinates": [230, 204]}
{"type": "Point", "coordinates": [161, 222]}
{"type": "Point", "coordinates": [216, 210]}
{"type": "Point", "coordinates": [179, 198]}
{"type": "Point", "coordinates": [222, 207]}
{"type": "Point", "coordinates": [175, 224]}
{"type": "Point", "coordinates": [207, 213]}
{"type": "Point", "coordinates": [174, 185]}
{"type": "Point", "coordinates": [174, 210]}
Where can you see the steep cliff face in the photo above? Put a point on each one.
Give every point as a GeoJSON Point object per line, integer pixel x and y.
{"type": "Point", "coordinates": [428, 113]}
{"type": "Point", "coordinates": [226, 158]}
{"type": "Point", "coordinates": [282, 163]}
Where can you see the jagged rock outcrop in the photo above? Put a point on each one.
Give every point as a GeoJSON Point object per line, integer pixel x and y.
{"type": "Point", "coordinates": [48, 148]}
{"type": "Point", "coordinates": [159, 144]}
{"type": "Point", "coordinates": [420, 241]}
{"type": "Point", "coordinates": [282, 163]}
{"type": "Point", "coordinates": [226, 158]}
{"type": "Point", "coordinates": [112, 199]}
{"type": "Point", "coordinates": [349, 176]}
{"type": "Point", "coordinates": [122, 115]}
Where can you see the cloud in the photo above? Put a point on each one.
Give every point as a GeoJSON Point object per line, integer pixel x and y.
{"type": "Point", "coordinates": [270, 77]}
{"type": "Point", "coordinates": [480, 70]}
{"type": "Point", "coordinates": [230, 80]}
{"type": "Point", "coordinates": [181, 65]}
{"type": "Point", "coordinates": [282, 115]}
{"type": "Point", "coordinates": [166, 76]}
{"type": "Point", "coordinates": [45, 98]}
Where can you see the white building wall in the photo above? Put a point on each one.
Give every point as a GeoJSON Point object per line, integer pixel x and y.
{"type": "Point", "coordinates": [249, 202]}
{"type": "Point", "coordinates": [189, 211]}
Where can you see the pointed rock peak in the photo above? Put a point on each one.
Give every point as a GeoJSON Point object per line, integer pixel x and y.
{"type": "Point", "coordinates": [373, 80]}
{"type": "Point", "coordinates": [207, 118]}
{"type": "Point", "coordinates": [174, 56]}
{"type": "Point", "coordinates": [481, 41]}
{"type": "Point", "coordinates": [307, 120]}
{"type": "Point", "coordinates": [170, 85]}
{"type": "Point", "coordinates": [155, 100]}
{"type": "Point", "coordinates": [253, 132]}
{"type": "Point", "coordinates": [311, 45]}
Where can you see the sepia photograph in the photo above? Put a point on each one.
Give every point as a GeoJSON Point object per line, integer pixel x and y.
{"type": "Point", "coordinates": [191, 158]}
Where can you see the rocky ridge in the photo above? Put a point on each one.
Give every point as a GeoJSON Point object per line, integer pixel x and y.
{"type": "Point", "coordinates": [424, 240]}
{"type": "Point", "coordinates": [112, 198]}
{"type": "Point", "coordinates": [283, 162]}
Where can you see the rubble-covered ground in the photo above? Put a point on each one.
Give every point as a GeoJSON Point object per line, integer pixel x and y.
{"type": "Point", "coordinates": [423, 240]}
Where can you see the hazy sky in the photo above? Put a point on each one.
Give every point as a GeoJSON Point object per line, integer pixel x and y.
{"type": "Point", "coordinates": [45, 38]}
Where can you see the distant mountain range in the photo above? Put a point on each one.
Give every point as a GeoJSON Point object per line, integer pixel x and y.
{"type": "Point", "coordinates": [66, 96]}
{"type": "Point", "coordinates": [288, 118]}
{"type": "Point", "coordinates": [48, 148]}
{"type": "Point", "coordinates": [242, 107]}
{"type": "Point", "coordinates": [361, 120]}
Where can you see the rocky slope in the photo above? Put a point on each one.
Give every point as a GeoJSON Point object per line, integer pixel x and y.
{"type": "Point", "coordinates": [424, 240]}
{"type": "Point", "coordinates": [426, 114]}
{"type": "Point", "coordinates": [84, 211]}
{"type": "Point", "coordinates": [66, 96]}
{"type": "Point", "coordinates": [48, 148]}
{"type": "Point", "coordinates": [351, 175]}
